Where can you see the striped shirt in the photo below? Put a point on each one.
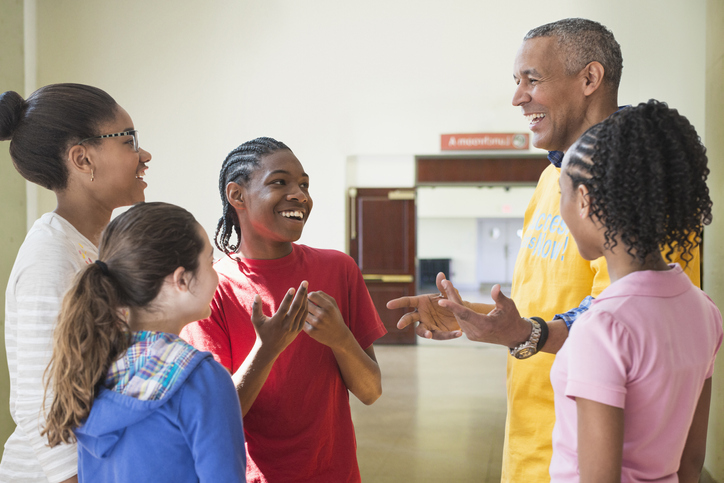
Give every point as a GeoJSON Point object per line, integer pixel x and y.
{"type": "Point", "coordinates": [52, 253]}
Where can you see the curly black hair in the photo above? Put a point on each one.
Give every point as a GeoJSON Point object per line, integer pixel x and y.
{"type": "Point", "coordinates": [645, 169]}
{"type": "Point", "coordinates": [237, 168]}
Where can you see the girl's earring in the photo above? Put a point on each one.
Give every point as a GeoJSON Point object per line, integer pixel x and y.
{"type": "Point", "coordinates": [92, 176]}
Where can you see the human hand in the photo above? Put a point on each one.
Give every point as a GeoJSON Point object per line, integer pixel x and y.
{"type": "Point", "coordinates": [503, 325]}
{"type": "Point", "coordinates": [324, 322]}
{"type": "Point", "coordinates": [435, 321]}
{"type": "Point", "coordinates": [275, 333]}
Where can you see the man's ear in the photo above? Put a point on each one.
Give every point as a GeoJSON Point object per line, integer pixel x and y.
{"type": "Point", "coordinates": [593, 77]}
{"type": "Point", "coordinates": [235, 195]}
{"type": "Point", "coordinates": [78, 158]}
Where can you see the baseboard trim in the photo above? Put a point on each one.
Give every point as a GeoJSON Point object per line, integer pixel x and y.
{"type": "Point", "coordinates": [706, 477]}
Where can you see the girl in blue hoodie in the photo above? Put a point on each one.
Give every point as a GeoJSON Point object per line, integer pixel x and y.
{"type": "Point", "coordinates": [142, 404]}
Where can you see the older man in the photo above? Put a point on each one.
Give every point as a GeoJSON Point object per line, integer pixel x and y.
{"type": "Point", "coordinates": [567, 75]}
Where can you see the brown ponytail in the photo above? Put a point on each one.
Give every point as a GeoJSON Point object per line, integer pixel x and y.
{"type": "Point", "coordinates": [90, 335]}
{"type": "Point", "coordinates": [139, 249]}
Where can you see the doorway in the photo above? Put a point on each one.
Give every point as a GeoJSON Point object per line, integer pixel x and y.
{"type": "Point", "coordinates": [487, 186]}
{"type": "Point", "coordinates": [499, 240]}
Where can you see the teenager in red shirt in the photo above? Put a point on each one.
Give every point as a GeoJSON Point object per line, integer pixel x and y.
{"type": "Point", "coordinates": [292, 386]}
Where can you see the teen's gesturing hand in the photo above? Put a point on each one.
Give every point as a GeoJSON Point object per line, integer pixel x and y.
{"type": "Point", "coordinates": [278, 331]}
{"type": "Point", "coordinates": [273, 335]}
{"type": "Point", "coordinates": [324, 321]}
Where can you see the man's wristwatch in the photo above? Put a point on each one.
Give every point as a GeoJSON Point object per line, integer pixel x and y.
{"type": "Point", "coordinates": [529, 347]}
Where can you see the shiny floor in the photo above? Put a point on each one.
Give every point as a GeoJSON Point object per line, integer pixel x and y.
{"type": "Point", "coordinates": [441, 416]}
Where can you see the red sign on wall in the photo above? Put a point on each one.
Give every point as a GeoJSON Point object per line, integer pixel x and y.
{"type": "Point", "coordinates": [483, 141]}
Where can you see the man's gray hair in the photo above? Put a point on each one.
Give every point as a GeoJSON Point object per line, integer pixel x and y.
{"type": "Point", "coordinates": [583, 41]}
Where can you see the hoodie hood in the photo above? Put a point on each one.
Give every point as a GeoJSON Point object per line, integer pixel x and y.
{"type": "Point", "coordinates": [113, 412]}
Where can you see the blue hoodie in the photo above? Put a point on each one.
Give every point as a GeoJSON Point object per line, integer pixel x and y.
{"type": "Point", "coordinates": [192, 434]}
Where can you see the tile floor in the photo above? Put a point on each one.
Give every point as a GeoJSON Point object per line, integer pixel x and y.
{"type": "Point", "coordinates": [441, 416]}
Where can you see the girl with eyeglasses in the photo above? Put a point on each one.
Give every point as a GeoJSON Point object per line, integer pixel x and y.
{"type": "Point", "coordinates": [76, 141]}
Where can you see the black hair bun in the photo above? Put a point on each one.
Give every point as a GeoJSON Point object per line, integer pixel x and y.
{"type": "Point", "coordinates": [11, 112]}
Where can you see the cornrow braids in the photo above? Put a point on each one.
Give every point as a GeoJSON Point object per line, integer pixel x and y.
{"type": "Point", "coordinates": [645, 169]}
{"type": "Point", "coordinates": [237, 168]}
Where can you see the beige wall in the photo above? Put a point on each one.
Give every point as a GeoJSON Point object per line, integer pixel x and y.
{"type": "Point", "coordinates": [12, 186]}
{"type": "Point", "coordinates": [335, 79]}
{"type": "Point", "coordinates": [714, 234]}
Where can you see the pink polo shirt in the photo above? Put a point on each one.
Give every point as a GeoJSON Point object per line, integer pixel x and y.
{"type": "Point", "coordinates": [646, 345]}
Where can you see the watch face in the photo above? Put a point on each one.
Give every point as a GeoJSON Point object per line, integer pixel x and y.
{"type": "Point", "coordinates": [525, 353]}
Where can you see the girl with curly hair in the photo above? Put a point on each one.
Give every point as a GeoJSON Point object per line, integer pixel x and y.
{"type": "Point", "coordinates": [632, 382]}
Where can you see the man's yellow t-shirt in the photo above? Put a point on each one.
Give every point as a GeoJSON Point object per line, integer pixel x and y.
{"type": "Point", "coordinates": [550, 278]}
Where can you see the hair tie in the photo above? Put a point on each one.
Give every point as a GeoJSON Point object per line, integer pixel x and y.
{"type": "Point", "coordinates": [104, 267]}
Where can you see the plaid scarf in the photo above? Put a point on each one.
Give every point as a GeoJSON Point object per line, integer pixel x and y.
{"type": "Point", "coordinates": [150, 366]}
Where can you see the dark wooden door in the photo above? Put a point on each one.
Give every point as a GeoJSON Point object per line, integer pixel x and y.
{"type": "Point", "coordinates": [382, 242]}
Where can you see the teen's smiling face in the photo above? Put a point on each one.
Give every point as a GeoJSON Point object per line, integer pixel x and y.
{"type": "Point", "coordinates": [273, 206]}
{"type": "Point", "coordinates": [118, 169]}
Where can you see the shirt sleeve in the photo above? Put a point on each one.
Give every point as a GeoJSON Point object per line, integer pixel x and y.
{"type": "Point", "coordinates": [365, 323]}
{"type": "Point", "coordinates": [598, 363]}
{"type": "Point", "coordinates": [572, 315]}
{"type": "Point", "coordinates": [719, 337]}
{"type": "Point", "coordinates": [210, 416]}
{"type": "Point", "coordinates": [601, 280]}
{"type": "Point", "coordinates": [39, 295]}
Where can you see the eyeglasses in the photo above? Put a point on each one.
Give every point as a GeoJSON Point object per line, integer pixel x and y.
{"type": "Point", "coordinates": [132, 132]}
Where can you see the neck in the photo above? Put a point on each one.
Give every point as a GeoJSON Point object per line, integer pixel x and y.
{"type": "Point", "coordinates": [620, 263]}
{"type": "Point", "coordinates": [153, 320]}
{"type": "Point", "coordinates": [264, 251]}
{"type": "Point", "coordinates": [597, 111]}
{"type": "Point", "coordinates": [85, 215]}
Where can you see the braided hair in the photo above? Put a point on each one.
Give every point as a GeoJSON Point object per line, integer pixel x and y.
{"type": "Point", "coordinates": [645, 169]}
{"type": "Point", "coordinates": [237, 168]}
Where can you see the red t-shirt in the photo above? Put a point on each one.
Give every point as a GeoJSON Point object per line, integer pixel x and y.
{"type": "Point", "coordinates": [299, 427]}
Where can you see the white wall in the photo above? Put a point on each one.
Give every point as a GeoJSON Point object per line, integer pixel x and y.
{"type": "Point", "coordinates": [473, 202]}
{"type": "Point", "coordinates": [460, 245]}
{"type": "Point", "coordinates": [335, 79]}
{"type": "Point", "coordinates": [447, 224]}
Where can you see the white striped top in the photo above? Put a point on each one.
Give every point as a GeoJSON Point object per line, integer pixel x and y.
{"type": "Point", "coordinates": [52, 253]}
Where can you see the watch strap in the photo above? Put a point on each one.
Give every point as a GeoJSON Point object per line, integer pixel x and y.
{"type": "Point", "coordinates": [543, 333]}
